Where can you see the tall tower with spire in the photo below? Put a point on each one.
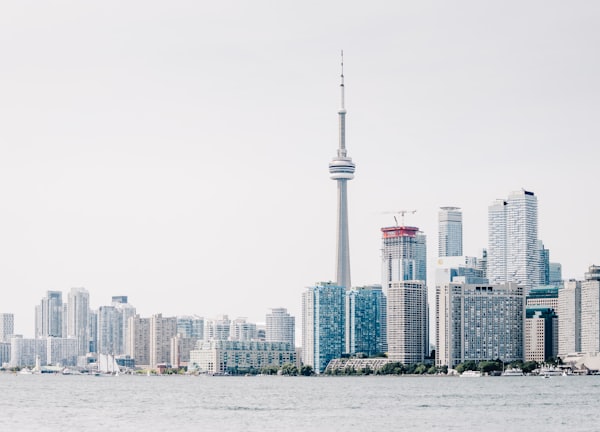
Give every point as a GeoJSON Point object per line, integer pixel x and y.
{"type": "Point", "coordinates": [341, 169]}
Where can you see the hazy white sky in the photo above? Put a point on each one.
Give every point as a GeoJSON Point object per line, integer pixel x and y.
{"type": "Point", "coordinates": [177, 152]}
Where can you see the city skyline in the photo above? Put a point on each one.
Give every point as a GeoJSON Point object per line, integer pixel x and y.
{"type": "Point", "coordinates": [178, 155]}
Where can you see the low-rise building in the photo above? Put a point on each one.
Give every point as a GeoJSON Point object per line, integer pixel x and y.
{"type": "Point", "coordinates": [220, 357]}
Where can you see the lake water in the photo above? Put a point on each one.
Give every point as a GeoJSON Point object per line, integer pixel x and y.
{"type": "Point", "coordinates": [189, 403]}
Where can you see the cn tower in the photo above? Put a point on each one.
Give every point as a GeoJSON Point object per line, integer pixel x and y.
{"type": "Point", "coordinates": [341, 169]}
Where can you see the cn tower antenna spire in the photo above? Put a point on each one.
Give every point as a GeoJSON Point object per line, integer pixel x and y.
{"type": "Point", "coordinates": [342, 81]}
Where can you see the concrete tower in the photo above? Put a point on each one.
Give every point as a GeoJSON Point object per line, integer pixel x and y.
{"type": "Point", "coordinates": [341, 169]}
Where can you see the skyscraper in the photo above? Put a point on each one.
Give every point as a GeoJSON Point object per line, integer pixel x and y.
{"type": "Point", "coordinates": [323, 326]}
{"type": "Point", "coordinates": [404, 257]}
{"type": "Point", "coordinates": [365, 320]}
{"type": "Point", "coordinates": [450, 232]}
{"type": "Point", "coordinates": [513, 254]}
{"type": "Point", "coordinates": [341, 169]}
{"type": "Point", "coordinates": [78, 310]}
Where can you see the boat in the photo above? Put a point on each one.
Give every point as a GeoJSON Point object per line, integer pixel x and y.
{"type": "Point", "coordinates": [548, 371]}
{"type": "Point", "coordinates": [513, 372]}
{"type": "Point", "coordinates": [107, 365]}
{"type": "Point", "coordinates": [471, 374]}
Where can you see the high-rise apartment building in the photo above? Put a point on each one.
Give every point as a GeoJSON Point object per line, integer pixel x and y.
{"type": "Point", "coordinates": [590, 311]}
{"type": "Point", "coordinates": [323, 324]}
{"type": "Point", "coordinates": [49, 316]}
{"type": "Point", "coordinates": [138, 340]}
{"type": "Point", "coordinates": [569, 318]}
{"type": "Point", "coordinates": [341, 169]}
{"type": "Point", "coordinates": [280, 327]}
{"type": "Point", "coordinates": [162, 329]}
{"type": "Point", "coordinates": [404, 269]}
{"type": "Point", "coordinates": [479, 322]}
{"type": "Point", "coordinates": [513, 254]}
{"type": "Point", "coordinates": [365, 320]}
{"type": "Point", "coordinates": [78, 311]}
{"type": "Point", "coordinates": [7, 326]}
{"type": "Point", "coordinates": [450, 232]}
{"type": "Point", "coordinates": [109, 330]}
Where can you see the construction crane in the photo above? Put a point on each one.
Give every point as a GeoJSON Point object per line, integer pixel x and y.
{"type": "Point", "coordinates": [402, 213]}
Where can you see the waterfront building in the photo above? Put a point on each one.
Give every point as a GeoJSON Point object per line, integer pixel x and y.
{"type": "Point", "coordinates": [513, 254]}
{"type": "Point", "coordinates": [323, 324]}
{"type": "Point", "coordinates": [190, 326]}
{"type": "Point", "coordinates": [541, 334]}
{"type": "Point", "coordinates": [26, 352]}
{"type": "Point", "coordinates": [7, 326]}
{"type": "Point", "coordinates": [590, 310]}
{"type": "Point", "coordinates": [450, 232]}
{"type": "Point", "coordinates": [569, 318]}
{"type": "Point", "coordinates": [110, 331]}
{"type": "Point", "coordinates": [404, 268]}
{"type": "Point", "coordinates": [218, 328]}
{"type": "Point", "coordinates": [365, 320]}
{"type": "Point", "coordinates": [341, 169]}
{"type": "Point", "coordinates": [61, 351]}
{"type": "Point", "coordinates": [162, 329]}
{"type": "Point", "coordinates": [479, 322]}
{"type": "Point", "coordinates": [49, 316]}
{"type": "Point", "coordinates": [78, 311]}
{"type": "Point", "coordinates": [220, 357]}
{"type": "Point", "coordinates": [138, 340]}
{"type": "Point", "coordinates": [280, 326]}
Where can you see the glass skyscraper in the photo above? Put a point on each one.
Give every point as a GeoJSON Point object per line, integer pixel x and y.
{"type": "Point", "coordinates": [365, 320]}
{"type": "Point", "coordinates": [513, 251]}
{"type": "Point", "coordinates": [323, 324]}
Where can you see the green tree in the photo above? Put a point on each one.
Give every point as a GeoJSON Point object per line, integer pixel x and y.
{"type": "Point", "coordinates": [306, 370]}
